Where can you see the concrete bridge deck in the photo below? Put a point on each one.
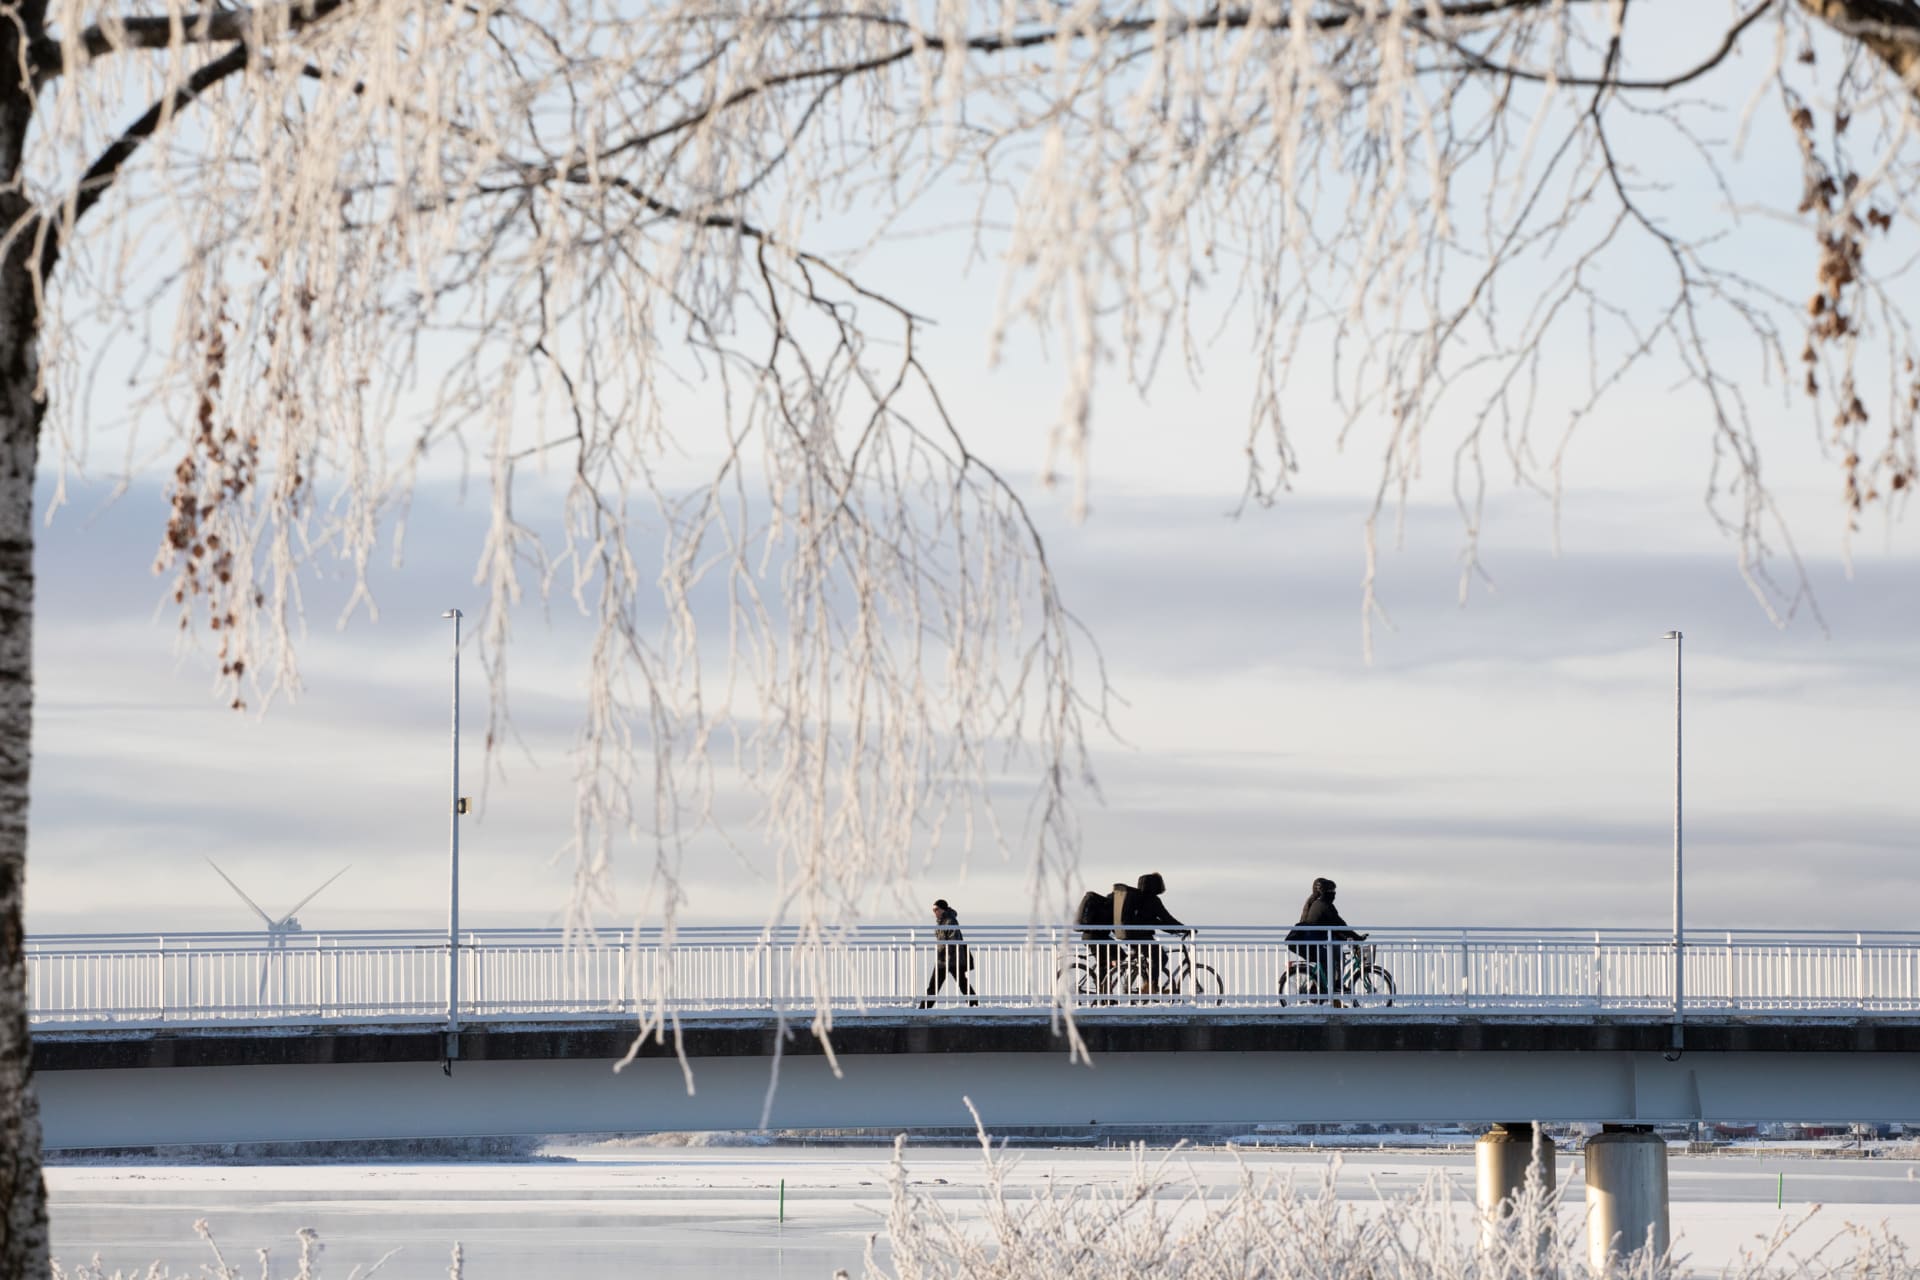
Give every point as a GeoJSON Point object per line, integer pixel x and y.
{"type": "Point", "coordinates": [149, 1086]}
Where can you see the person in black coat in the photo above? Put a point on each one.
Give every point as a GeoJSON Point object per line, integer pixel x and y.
{"type": "Point", "coordinates": [1317, 938]}
{"type": "Point", "coordinates": [1139, 912]}
{"type": "Point", "coordinates": [950, 954]}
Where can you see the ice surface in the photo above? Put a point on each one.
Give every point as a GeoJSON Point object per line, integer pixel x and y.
{"type": "Point", "coordinates": [708, 1211]}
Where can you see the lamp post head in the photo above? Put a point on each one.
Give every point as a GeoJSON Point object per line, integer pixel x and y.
{"type": "Point", "coordinates": [1671, 635]}
{"type": "Point", "coordinates": [451, 613]}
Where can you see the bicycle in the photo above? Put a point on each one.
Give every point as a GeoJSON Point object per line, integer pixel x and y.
{"type": "Point", "coordinates": [1362, 978]}
{"type": "Point", "coordinates": [1191, 978]}
{"type": "Point", "coordinates": [1103, 969]}
{"type": "Point", "coordinates": [1129, 971]}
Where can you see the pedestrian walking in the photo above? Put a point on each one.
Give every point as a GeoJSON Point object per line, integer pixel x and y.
{"type": "Point", "coordinates": [951, 957]}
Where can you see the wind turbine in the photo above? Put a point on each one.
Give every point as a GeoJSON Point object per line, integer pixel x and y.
{"type": "Point", "coordinates": [278, 931]}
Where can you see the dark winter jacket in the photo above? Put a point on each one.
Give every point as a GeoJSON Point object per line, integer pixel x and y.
{"type": "Point", "coordinates": [1321, 922]}
{"type": "Point", "coordinates": [1141, 910]}
{"type": "Point", "coordinates": [947, 927]}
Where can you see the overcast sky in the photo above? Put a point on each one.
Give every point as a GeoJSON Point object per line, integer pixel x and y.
{"type": "Point", "coordinates": [1508, 761]}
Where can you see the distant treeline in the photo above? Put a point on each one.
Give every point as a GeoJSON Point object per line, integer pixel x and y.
{"type": "Point", "coordinates": [344, 1152]}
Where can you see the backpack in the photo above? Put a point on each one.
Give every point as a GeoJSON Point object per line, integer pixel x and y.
{"type": "Point", "coordinates": [1095, 916]}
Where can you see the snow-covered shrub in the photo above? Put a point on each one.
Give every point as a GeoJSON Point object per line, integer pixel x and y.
{"type": "Point", "coordinates": [306, 1264]}
{"type": "Point", "coordinates": [1164, 1225]}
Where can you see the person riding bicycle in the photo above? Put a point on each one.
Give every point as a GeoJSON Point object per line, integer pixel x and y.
{"type": "Point", "coordinates": [1137, 913]}
{"type": "Point", "coordinates": [1318, 937]}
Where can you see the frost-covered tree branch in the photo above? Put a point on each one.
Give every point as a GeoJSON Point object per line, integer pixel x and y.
{"type": "Point", "coordinates": [623, 266]}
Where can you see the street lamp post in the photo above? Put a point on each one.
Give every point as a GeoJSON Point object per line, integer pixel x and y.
{"type": "Point", "coordinates": [1679, 902]}
{"type": "Point", "coordinates": [453, 857]}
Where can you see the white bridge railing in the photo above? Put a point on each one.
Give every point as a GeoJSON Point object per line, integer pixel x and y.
{"type": "Point", "coordinates": [248, 978]}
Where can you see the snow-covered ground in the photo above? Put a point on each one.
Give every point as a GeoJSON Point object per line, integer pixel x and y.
{"type": "Point", "coordinates": [612, 1210]}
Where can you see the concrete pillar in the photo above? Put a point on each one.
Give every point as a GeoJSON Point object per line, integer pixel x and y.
{"type": "Point", "coordinates": [1626, 1193]}
{"type": "Point", "coordinates": [1500, 1159]}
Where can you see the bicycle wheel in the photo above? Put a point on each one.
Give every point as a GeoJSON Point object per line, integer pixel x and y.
{"type": "Point", "coordinates": [1078, 977]}
{"type": "Point", "coordinates": [1202, 982]}
{"type": "Point", "coordinates": [1375, 982]}
{"type": "Point", "coordinates": [1300, 982]}
{"type": "Point", "coordinates": [1134, 980]}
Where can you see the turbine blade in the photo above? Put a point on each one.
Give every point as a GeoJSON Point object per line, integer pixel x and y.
{"type": "Point", "coordinates": [237, 889]}
{"type": "Point", "coordinates": [295, 909]}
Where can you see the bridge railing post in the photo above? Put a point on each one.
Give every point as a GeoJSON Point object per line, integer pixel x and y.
{"type": "Point", "coordinates": [1039, 965]}
{"type": "Point", "coordinates": [1859, 971]}
{"type": "Point", "coordinates": [1733, 973]}
{"type": "Point", "coordinates": [1466, 971]}
{"type": "Point", "coordinates": [1679, 977]}
{"type": "Point", "coordinates": [1599, 972]}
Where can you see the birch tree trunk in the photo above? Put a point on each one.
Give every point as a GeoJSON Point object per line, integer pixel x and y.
{"type": "Point", "coordinates": [23, 1197]}
{"type": "Point", "coordinates": [23, 1201]}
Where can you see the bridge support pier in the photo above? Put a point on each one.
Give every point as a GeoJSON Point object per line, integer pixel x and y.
{"type": "Point", "coordinates": [1626, 1193]}
{"type": "Point", "coordinates": [1501, 1159]}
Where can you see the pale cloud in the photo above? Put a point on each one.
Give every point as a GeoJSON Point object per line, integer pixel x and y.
{"type": "Point", "coordinates": [1506, 762]}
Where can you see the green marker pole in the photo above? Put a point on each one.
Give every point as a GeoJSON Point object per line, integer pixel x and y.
{"type": "Point", "coordinates": [1780, 1191]}
{"type": "Point", "coordinates": [783, 1201]}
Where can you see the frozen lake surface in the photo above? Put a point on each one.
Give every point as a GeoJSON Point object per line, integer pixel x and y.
{"type": "Point", "coordinates": [706, 1211]}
